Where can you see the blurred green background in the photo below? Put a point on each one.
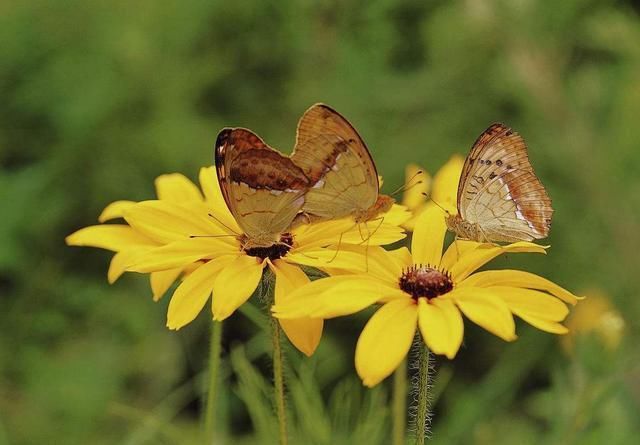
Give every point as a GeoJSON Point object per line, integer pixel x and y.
{"type": "Point", "coordinates": [98, 98]}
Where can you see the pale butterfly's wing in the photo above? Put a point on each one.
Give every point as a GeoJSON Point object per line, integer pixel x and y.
{"type": "Point", "coordinates": [263, 189]}
{"type": "Point", "coordinates": [337, 162]}
{"type": "Point", "coordinates": [499, 191]}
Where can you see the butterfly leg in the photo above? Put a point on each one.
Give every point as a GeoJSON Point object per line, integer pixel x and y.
{"type": "Point", "coordinates": [370, 234]}
{"type": "Point", "coordinates": [337, 248]}
{"type": "Point", "coordinates": [340, 243]}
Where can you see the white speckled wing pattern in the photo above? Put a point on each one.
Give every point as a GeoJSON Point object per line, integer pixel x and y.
{"type": "Point", "coordinates": [337, 162]}
{"type": "Point", "coordinates": [499, 191]}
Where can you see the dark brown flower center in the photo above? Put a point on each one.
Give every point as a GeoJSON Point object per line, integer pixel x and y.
{"type": "Point", "coordinates": [275, 251]}
{"type": "Point", "coordinates": [425, 281]}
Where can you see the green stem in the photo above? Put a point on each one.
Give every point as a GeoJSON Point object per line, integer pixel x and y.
{"type": "Point", "coordinates": [399, 403]}
{"type": "Point", "coordinates": [267, 295]}
{"type": "Point", "coordinates": [422, 418]}
{"type": "Point", "coordinates": [278, 381]}
{"type": "Point", "coordinates": [215, 347]}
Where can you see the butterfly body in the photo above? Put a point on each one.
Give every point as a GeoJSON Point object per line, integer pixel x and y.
{"type": "Point", "coordinates": [263, 189]}
{"type": "Point", "coordinates": [500, 199]}
{"type": "Point", "coordinates": [382, 205]}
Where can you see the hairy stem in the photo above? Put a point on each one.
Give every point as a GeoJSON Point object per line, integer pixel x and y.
{"type": "Point", "coordinates": [422, 416]}
{"type": "Point", "coordinates": [267, 291]}
{"type": "Point", "coordinates": [278, 381]}
{"type": "Point", "coordinates": [399, 403]}
{"type": "Point", "coordinates": [215, 348]}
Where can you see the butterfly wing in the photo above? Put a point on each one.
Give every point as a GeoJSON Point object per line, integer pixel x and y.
{"type": "Point", "coordinates": [337, 162]}
{"type": "Point", "coordinates": [263, 189]}
{"type": "Point", "coordinates": [499, 191]}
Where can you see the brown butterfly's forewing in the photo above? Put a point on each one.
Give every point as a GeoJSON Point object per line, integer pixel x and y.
{"type": "Point", "coordinates": [263, 189]}
{"type": "Point", "coordinates": [336, 160]}
{"type": "Point", "coordinates": [499, 196]}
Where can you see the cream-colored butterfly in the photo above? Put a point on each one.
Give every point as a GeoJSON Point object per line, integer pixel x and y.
{"type": "Point", "coordinates": [263, 188]}
{"type": "Point", "coordinates": [500, 199]}
{"type": "Point", "coordinates": [337, 162]}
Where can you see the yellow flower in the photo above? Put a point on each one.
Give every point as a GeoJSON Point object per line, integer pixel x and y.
{"type": "Point", "coordinates": [187, 233]}
{"type": "Point", "coordinates": [129, 243]}
{"type": "Point", "coordinates": [596, 315]}
{"type": "Point", "coordinates": [430, 291]}
{"type": "Point", "coordinates": [443, 188]}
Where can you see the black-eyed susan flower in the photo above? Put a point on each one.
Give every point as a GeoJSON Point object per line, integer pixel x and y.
{"type": "Point", "coordinates": [428, 290]}
{"type": "Point", "coordinates": [191, 233]}
{"type": "Point", "coordinates": [442, 188]}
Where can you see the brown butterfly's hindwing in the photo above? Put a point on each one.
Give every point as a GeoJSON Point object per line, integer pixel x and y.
{"type": "Point", "coordinates": [263, 189]}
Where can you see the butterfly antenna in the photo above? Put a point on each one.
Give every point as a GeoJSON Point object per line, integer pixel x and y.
{"type": "Point", "coordinates": [409, 184]}
{"type": "Point", "coordinates": [431, 199]}
{"type": "Point", "coordinates": [223, 224]}
{"type": "Point", "coordinates": [209, 236]}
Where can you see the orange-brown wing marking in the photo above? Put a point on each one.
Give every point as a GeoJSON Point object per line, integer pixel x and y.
{"type": "Point", "coordinates": [336, 160]}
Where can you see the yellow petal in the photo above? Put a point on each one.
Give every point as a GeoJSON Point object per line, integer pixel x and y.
{"type": "Point", "coordinates": [402, 257]}
{"type": "Point", "coordinates": [531, 303]}
{"type": "Point", "coordinates": [373, 233]}
{"type": "Point", "coordinates": [165, 221]}
{"type": "Point", "coordinates": [445, 182]}
{"type": "Point", "coordinates": [335, 297]}
{"type": "Point", "coordinates": [235, 284]}
{"type": "Point", "coordinates": [305, 332]}
{"type": "Point", "coordinates": [346, 231]}
{"type": "Point", "coordinates": [113, 237]}
{"type": "Point", "coordinates": [483, 253]}
{"type": "Point", "coordinates": [320, 258]}
{"type": "Point", "coordinates": [385, 340]}
{"type": "Point", "coordinates": [552, 327]}
{"type": "Point", "coordinates": [323, 233]}
{"type": "Point", "coordinates": [121, 260]}
{"type": "Point", "coordinates": [428, 237]}
{"type": "Point", "coordinates": [519, 278]}
{"type": "Point", "coordinates": [456, 250]}
{"type": "Point", "coordinates": [175, 187]}
{"type": "Point", "coordinates": [161, 281]}
{"type": "Point", "coordinates": [397, 215]}
{"type": "Point", "coordinates": [418, 183]}
{"type": "Point", "coordinates": [117, 266]}
{"type": "Point", "coordinates": [485, 309]}
{"type": "Point", "coordinates": [193, 293]}
{"type": "Point", "coordinates": [180, 254]}
{"type": "Point", "coordinates": [115, 210]}
{"type": "Point", "coordinates": [374, 260]}
{"type": "Point", "coordinates": [215, 200]}
{"type": "Point", "coordinates": [387, 265]}
{"type": "Point", "coordinates": [441, 326]}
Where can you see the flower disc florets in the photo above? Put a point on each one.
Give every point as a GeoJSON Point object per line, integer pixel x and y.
{"type": "Point", "coordinates": [425, 281]}
{"type": "Point", "coordinates": [275, 251]}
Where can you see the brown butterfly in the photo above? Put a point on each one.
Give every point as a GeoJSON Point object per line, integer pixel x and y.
{"type": "Point", "coordinates": [263, 188]}
{"type": "Point", "coordinates": [337, 162]}
{"type": "Point", "coordinates": [500, 199]}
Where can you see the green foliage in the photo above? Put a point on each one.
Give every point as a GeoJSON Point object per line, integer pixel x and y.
{"type": "Point", "coordinates": [98, 98]}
